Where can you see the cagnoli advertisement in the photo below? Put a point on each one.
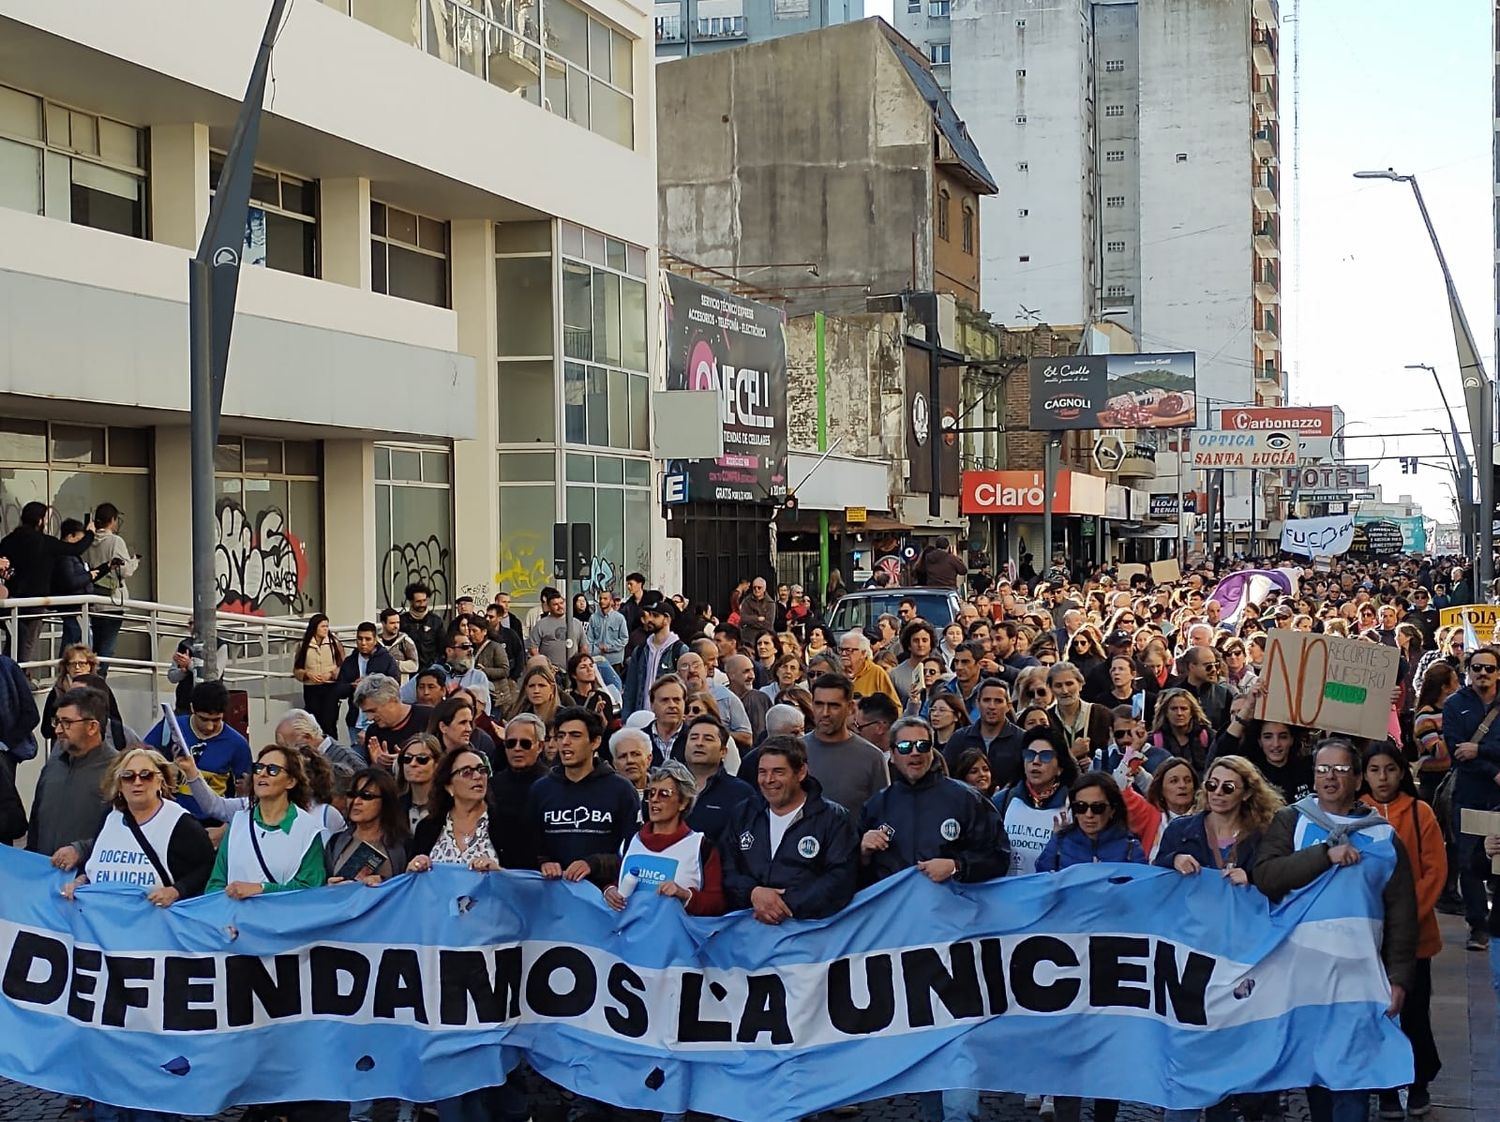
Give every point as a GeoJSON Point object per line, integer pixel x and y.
{"type": "Point", "coordinates": [718, 341]}
{"type": "Point", "coordinates": [1155, 391]}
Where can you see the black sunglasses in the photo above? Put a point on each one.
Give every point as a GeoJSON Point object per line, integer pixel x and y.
{"type": "Point", "coordinates": [1038, 755]}
{"type": "Point", "coordinates": [367, 795]}
{"type": "Point", "coordinates": [417, 758]}
{"type": "Point", "coordinates": [907, 747]}
{"type": "Point", "coordinates": [518, 742]}
{"type": "Point", "coordinates": [273, 770]}
{"type": "Point", "coordinates": [1081, 808]}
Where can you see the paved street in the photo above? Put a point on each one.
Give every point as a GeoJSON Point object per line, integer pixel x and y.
{"type": "Point", "coordinates": [1464, 1016]}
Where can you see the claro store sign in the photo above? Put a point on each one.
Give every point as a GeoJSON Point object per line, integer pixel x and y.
{"type": "Point", "coordinates": [1021, 492]}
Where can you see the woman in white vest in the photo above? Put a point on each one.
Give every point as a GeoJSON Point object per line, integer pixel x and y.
{"type": "Point", "coordinates": [1037, 804]}
{"type": "Point", "coordinates": [146, 839]}
{"type": "Point", "coordinates": [276, 844]}
{"type": "Point", "coordinates": [330, 821]}
{"type": "Point", "coordinates": [666, 855]}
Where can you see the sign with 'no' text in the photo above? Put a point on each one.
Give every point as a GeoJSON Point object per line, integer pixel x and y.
{"type": "Point", "coordinates": [1326, 682]}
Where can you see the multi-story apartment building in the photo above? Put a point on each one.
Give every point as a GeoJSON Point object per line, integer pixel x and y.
{"type": "Point", "coordinates": [444, 326]}
{"type": "Point", "coordinates": [692, 27]}
{"type": "Point", "coordinates": [1137, 151]}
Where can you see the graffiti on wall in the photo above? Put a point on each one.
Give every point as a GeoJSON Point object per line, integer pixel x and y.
{"type": "Point", "coordinates": [405, 562]}
{"type": "Point", "coordinates": [256, 563]}
{"type": "Point", "coordinates": [604, 576]}
{"type": "Point", "coordinates": [524, 565]}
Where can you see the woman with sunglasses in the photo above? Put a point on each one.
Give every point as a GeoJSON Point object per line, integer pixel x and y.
{"type": "Point", "coordinates": [1234, 809]}
{"type": "Point", "coordinates": [415, 768]}
{"type": "Point", "coordinates": [1086, 651]}
{"type": "Point", "coordinates": [1238, 676]}
{"type": "Point", "coordinates": [276, 844]}
{"type": "Point", "coordinates": [1095, 832]}
{"type": "Point", "coordinates": [372, 848]}
{"type": "Point", "coordinates": [666, 855]}
{"type": "Point", "coordinates": [1392, 793]}
{"type": "Point", "coordinates": [1032, 809]}
{"type": "Point", "coordinates": [317, 791]}
{"type": "Point", "coordinates": [75, 661]}
{"type": "Point", "coordinates": [146, 839]}
{"type": "Point", "coordinates": [947, 716]}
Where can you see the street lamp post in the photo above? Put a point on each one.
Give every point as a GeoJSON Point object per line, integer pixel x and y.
{"type": "Point", "coordinates": [1463, 468]}
{"type": "Point", "coordinates": [1479, 396]}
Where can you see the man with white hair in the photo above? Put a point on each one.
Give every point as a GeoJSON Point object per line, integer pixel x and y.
{"type": "Point", "coordinates": [1072, 624]}
{"type": "Point", "coordinates": [785, 720]}
{"type": "Point", "coordinates": [630, 750]}
{"type": "Point", "coordinates": [298, 728]}
{"type": "Point", "coordinates": [859, 662]}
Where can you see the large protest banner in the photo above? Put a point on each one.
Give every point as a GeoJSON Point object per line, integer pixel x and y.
{"type": "Point", "coordinates": [436, 983]}
{"type": "Point", "coordinates": [1328, 682]}
{"type": "Point", "coordinates": [1318, 537]}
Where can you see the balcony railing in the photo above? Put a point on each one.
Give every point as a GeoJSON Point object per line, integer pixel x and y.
{"type": "Point", "coordinates": [497, 40]}
{"type": "Point", "coordinates": [720, 27]}
{"type": "Point", "coordinates": [669, 29]}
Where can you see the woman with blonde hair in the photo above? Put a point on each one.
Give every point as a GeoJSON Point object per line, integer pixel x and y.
{"type": "Point", "coordinates": [146, 838]}
{"type": "Point", "coordinates": [699, 703]}
{"type": "Point", "coordinates": [541, 695]}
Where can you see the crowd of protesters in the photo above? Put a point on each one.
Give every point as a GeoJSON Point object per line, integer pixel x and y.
{"type": "Point", "coordinates": [755, 761]}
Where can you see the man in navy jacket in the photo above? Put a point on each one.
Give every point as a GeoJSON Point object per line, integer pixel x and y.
{"type": "Point", "coordinates": [368, 657]}
{"type": "Point", "coordinates": [789, 854]}
{"type": "Point", "coordinates": [1476, 785]}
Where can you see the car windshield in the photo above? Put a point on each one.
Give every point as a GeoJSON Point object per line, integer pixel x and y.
{"type": "Point", "coordinates": [862, 610]}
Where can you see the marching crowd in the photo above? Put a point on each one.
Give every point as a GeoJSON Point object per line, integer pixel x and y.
{"type": "Point", "coordinates": [755, 761]}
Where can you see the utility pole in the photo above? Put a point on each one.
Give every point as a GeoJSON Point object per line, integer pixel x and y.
{"type": "Point", "coordinates": [1463, 469]}
{"type": "Point", "coordinates": [213, 283]}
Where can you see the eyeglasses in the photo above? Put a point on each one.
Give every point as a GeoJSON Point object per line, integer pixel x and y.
{"type": "Point", "coordinates": [471, 771]}
{"type": "Point", "coordinates": [461, 647]}
{"type": "Point", "coordinates": [1038, 755]}
{"type": "Point", "coordinates": [519, 742]}
{"type": "Point", "coordinates": [273, 770]}
{"type": "Point", "coordinates": [1482, 668]}
{"type": "Point", "coordinates": [907, 747]}
{"type": "Point", "coordinates": [1228, 786]}
{"type": "Point", "coordinates": [368, 795]}
{"type": "Point", "coordinates": [1036, 693]}
{"type": "Point", "coordinates": [659, 794]}
{"type": "Point", "coordinates": [1080, 808]}
{"type": "Point", "coordinates": [137, 776]}
{"type": "Point", "coordinates": [1123, 734]}
{"type": "Point", "coordinates": [65, 723]}
{"type": "Point", "coordinates": [78, 664]}
{"type": "Point", "coordinates": [417, 758]}
{"type": "Point", "coordinates": [1330, 769]}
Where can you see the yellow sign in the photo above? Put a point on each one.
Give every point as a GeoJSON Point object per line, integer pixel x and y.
{"type": "Point", "coordinates": [855, 515]}
{"type": "Point", "coordinates": [1481, 617]}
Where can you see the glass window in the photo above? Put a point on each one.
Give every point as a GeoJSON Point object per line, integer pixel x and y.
{"type": "Point", "coordinates": [523, 298]}
{"type": "Point", "coordinates": [567, 31]}
{"type": "Point", "coordinates": [406, 465]}
{"type": "Point", "coordinates": [78, 443]}
{"type": "Point", "coordinates": [526, 403]}
{"type": "Point", "coordinates": [20, 114]}
{"type": "Point", "coordinates": [638, 473]}
{"type": "Point", "coordinates": [130, 448]}
{"type": "Point", "coordinates": [578, 314]}
{"type": "Point", "coordinates": [633, 325]}
{"type": "Point", "coordinates": [640, 404]}
{"type": "Point", "coordinates": [281, 230]}
{"type": "Point", "coordinates": [25, 441]}
{"type": "Point", "coordinates": [270, 530]}
{"type": "Point", "coordinates": [596, 404]}
{"type": "Point", "coordinates": [575, 424]}
{"type": "Point", "coordinates": [619, 410]}
{"type": "Point", "coordinates": [408, 255]}
{"type": "Point", "coordinates": [590, 73]}
{"type": "Point", "coordinates": [20, 177]}
{"type": "Point", "coordinates": [524, 237]}
{"type": "Point", "coordinates": [578, 469]}
{"type": "Point", "coordinates": [413, 528]}
{"type": "Point", "coordinates": [580, 504]}
{"type": "Point", "coordinates": [606, 316]}
{"type": "Point", "coordinates": [613, 114]}
{"type": "Point", "coordinates": [528, 467]}
{"type": "Point", "coordinates": [527, 514]}
{"type": "Point", "coordinates": [622, 64]}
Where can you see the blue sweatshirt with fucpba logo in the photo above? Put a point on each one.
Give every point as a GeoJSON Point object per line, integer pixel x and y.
{"type": "Point", "coordinates": [588, 820]}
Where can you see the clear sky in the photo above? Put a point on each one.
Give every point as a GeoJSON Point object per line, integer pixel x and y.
{"type": "Point", "coordinates": [1384, 83]}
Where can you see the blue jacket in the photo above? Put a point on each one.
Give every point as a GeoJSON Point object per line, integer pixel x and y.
{"type": "Point", "coordinates": [817, 862]}
{"type": "Point", "coordinates": [381, 661]}
{"type": "Point", "coordinates": [935, 817]}
{"type": "Point", "coordinates": [609, 631]}
{"type": "Point", "coordinates": [1190, 835]}
{"type": "Point", "coordinates": [721, 797]}
{"type": "Point", "coordinates": [1474, 783]}
{"type": "Point", "coordinates": [1071, 846]}
{"type": "Point", "coordinates": [18, 715]}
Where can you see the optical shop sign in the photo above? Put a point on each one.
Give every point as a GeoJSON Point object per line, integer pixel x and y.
{"type": "Point", "coordinates": [917, 986]}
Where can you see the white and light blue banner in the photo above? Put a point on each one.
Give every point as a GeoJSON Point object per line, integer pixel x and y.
{"type": "Point", "coordinates": [1318, 537]}
{"type": "Point", "coordinates": [1121, 982]}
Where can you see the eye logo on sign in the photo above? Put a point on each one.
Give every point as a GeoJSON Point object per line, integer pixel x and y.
{"type": "Point", "coordinates": [1280, 441]}
{"type": "Point", "coordinates": [809, 847]}
{"type": "Point", "coordinates": [949, 829]}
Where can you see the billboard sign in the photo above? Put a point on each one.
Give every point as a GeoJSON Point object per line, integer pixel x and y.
{"type": "Point", "coordinates": [1113, 392]}
{"type": "Point", "coordinates": [1314, 426]}
{"type": "Point", "coordinates": [1330, 477]}
{"type": "Point", "coordinates": [716, 341]}
{"type": "Point", "coordinates": [1164, 506]}
{"type": "Point", "coordinates": [1235, 451]}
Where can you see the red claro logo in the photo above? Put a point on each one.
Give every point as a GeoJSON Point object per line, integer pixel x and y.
{"type": "Point", "coordinates": [1016, 498]}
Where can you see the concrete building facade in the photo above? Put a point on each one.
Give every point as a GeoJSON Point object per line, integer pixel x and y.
{"type": "Point", "coordinates": [442, 347]}
{"type": "Point", "coordinates": [685, 28]}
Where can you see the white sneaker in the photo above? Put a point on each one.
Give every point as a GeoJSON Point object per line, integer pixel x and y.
{"type": "Point", "coordinates": [1047, 1110]}
{"type": "Point", "coordinates": [1032, 1102]}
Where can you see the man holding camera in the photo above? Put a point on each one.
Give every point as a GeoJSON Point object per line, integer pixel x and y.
{"type": "Point", "coordinates": [111, 560]}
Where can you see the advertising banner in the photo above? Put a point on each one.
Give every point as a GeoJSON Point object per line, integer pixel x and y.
{"type": "Point", "coordinates": [1328, 682]}
{"type": "Point", "coordinates": [1481, 617]}
{"type": "Point", "coordinates": [1313, 425]}
{"type": "Point", "coordinates": [717, 341]}
{"type": "Point", "coordinates": [1021, 492]}
{"type": "Point", "coordinates": [1164, 506]}
{"type": "Point", "coordinates": [1242, 451]}
{"type": "Point", "coordinates": [1113, 392]}
{"type": "Point", "coordinates": [1318, 537]}
{"type": "Point", "coordinates": [437, 983]}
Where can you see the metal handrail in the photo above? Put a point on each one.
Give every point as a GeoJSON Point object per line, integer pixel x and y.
{"type": "Point", "coordinates": [257, 644]}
